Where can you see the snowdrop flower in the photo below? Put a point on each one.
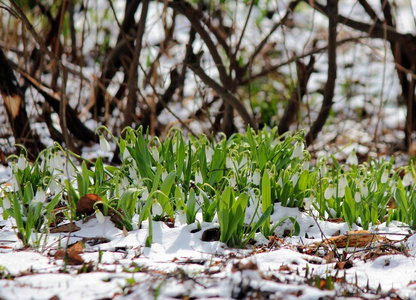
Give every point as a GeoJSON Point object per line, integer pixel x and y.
{"type": "Point", "coordinates": [329, 192]}
{"type": "Point", "coordinates": [364, 189]}
{"type": "Point", "coordinates": [155, 153]}
{"type": "Point", "coordinates": [233, 182]}
{"type": "Point", "coordinates": [99, 216]}
{"type": "Point", "coordinates": [70, 169]}
{"type": "Point", "coordinates": [124, 183]}
{"type": "Point", "coordinates": [229, 162]}
{"type": "Point", "coordinates": [323, 170]}
{"type": "Point", "coordinates": [341, 191]}
{"type": "Point", "coordinates": [40, 196]}
{"type": "Point", "coordinates": [298, 151]}
{"type": "Point", "coordinates": [133, 174]}
{"type": "Point", "coordinates": [181, 216]}
{"type": "Point", "coordinates": [352, 159]}
{"type": "Point", "coordinates": [145, 194]}
{"type": "Point", "coordinates": [209, 152]}
{"type": "Point", "coordinates": [6, 203]}
{"type": "Point", "coordinates": [15, 184]}
{"type": "Point", "coordinates": [294, 179]}
{"type": "Point", "coordinates": [53, 186]}
{"type": "Point", "coordinates": [164, 175]}
{"type": "Point", "coordinates": [373, 186]}
{"type": "Point", "coordinates": [256, 177]}
{"type": "Point", "coordinates": [384, 176]}
{"type": "Point", "coordinates": [126, 154]}
{"type": "Point", "coordinates": [308, 202]}
{"type": "Point", "coordinates": [343, 182]}
{"type": "Point", "coordinates": [157, 209]}
{"type": "Point", "coordinates": [104, 144]}
{"type": "Point", "coordinates": [243, 162]}
{"type": "Point", "coordinates": [357, 197]}
{"type": "Point", "coordinates": [305, 165]}
{"type": "Point", "coordinates": [408, 179]}
{"type": "Point", "coordinates": [56, 161]}
{"type": "Point", "coordinates": [198, 177]}
{"type": "Point", "coordinates": [21, 163]}
{"type": "Point", "coordinates": [280, 181]}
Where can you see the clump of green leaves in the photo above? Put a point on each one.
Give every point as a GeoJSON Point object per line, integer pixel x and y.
{"type": "Point", "coordinates": [197, 179]}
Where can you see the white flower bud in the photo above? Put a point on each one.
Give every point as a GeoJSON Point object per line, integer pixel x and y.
{"type": "Point", "coordinates": [15, 184]}
{"type": "Point", "coordinates": [408, 179]}
{"type": "Point", "coordinates": [157, 209]}
{"type": "Point", "coordinates": [329, 192]}
{"type": "Point", "coordinates": [308, 202]}
{"type": "Point", "coordinates": [352, 159]}
{"type": "Point", "coordinates": [164, 175]}
{"type": "Point", "coordinates": [181, 217]}
{"type": "Point", "coordinates": [209, 152]}
{"type": "Point", "coordinates": [100, 217]}
{"type": "Point", "coordinates": [104, 144]}
{"type": "Point", "coordinates": [40, 196]}
{"type": "Point", "coordinates": [233, 182]}
{"type": "Point", "coordinates": [364, 190]}
{"type": "Point", "coordinates": [6, 203]}
{"type": "Point", "coordinates": [357, 197]}
{"type": "Point", "coordinates": [145, 195]}
{"type": "Point", "coordinates": [298, 150]}
{"type": "Point", "coordinates": [21, 163]}
{"type": "Point", "coordinates": [155, 154]}
{"type": "Point", "coordinates": [341, 191]}
{"type": "Point", "coordinates": [256, 177]}
{"type": "Point", "coordinates": [198, 177]}
{"type": "Point", "coordinates": [294, 179]}
{"type": "Point", "coordinates": [384, 176]}
{"type": "Point", "coordinates": [343, 182]}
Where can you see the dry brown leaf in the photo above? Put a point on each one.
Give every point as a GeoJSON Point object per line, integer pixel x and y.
{"type": "Point", "coordinates": [72, 254]}
{"type": "Point", "coordinates": [70, 227]}
{"type": "Point", "coordinates": [85, 204]}
{"type": "Point", "coordinates": [357, 238]}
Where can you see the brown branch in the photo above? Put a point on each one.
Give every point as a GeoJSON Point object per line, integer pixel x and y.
{"type": "Point", "coordinates": [133, 71]}
{"type": "Point", "coordinates": [332, 9]}
{"type": "Point", "coordinates": [194, 64]}
{"type": "Point", "coordinates": [191, 14]}
{"type": "Point", "coordinates": [304, 72]}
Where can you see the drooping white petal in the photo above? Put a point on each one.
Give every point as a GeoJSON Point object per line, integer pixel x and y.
{"type": "Point", "coordinates": [15, 184]}
{"type": "Point", "coordinates": [384, 176]}
{"type": "Point", "coordinates": [40, 196]}
{"type": "Point", "coordinates": [343, 182]}
{"type": "Point", "coordinates": [198, 177]}
{"type": "Point", "coordinates": [157, 209]}
{"type": "Point", "coordinates": [341, 191]}
{"type": "Point", "coordinates": [256, 177]}
{"type": "Point", "coordinates": [21, 163]}
{"type": "Point", "coordinates": [298, 150]}
{"type": "Point", "coordinates": [6, 203]}
{"type": "Point", "coordinates": [352, 159]}
{"type": "Point", "coordinates": [308, 202]}
{"type": "Point", "coordinates": [155, 154]}
{"type": "Point", "coordinates": [104, 144]}
{"type": "Point", "coordinates": [329, 192]}
{"type": "Point", "coordinates": [209, 152]}
{"type": "Point", "coordinates": [294, 179]}
{"type": "Point", "coordinates": [100, 217]}
{"type": "Point", "coordinates": [408, 179]}
{"type": "Point", "coordinates": [357, 197]}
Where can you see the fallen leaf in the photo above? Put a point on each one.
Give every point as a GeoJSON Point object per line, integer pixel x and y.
{"type": "Point", "coordinates": [357, 238]}
{"type": "Point", "coordinates": [85, 204]}
{"type": "Point", "coordinates": [70, 227]}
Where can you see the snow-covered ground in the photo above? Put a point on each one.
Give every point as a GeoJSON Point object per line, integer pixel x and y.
{"type": "Point", "coordinates": [180, 265]}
